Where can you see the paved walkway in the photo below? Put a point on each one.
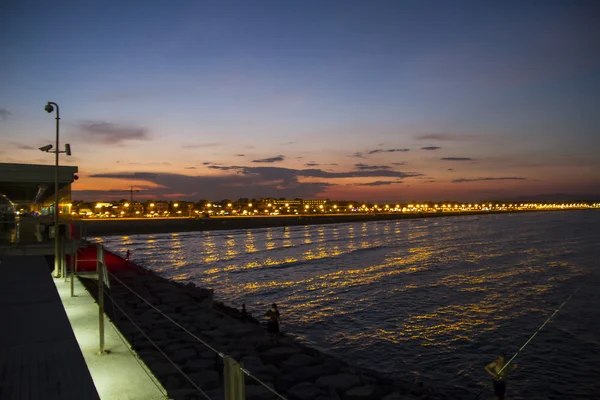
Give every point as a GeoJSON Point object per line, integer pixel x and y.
{"type": "Point", "coordinates": [39, 355]}
{"type": "Point", "coordinates": [118, 375]}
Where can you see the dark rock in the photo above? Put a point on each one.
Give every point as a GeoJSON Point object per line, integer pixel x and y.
{"type": "Point", "coordinates": [183, 355]}
{"type": "Point", "coordinates": [276, 355]}
{"type": "Point", "coordinates": [362, 393]}
{"type": "Point", "coordinates": [310, 373]}
{"type": "Point", "coordinates": [259, 392]}
{"type": "Point", "coordinates": [199, 364]}
{"type": "Point", "coordinates": [297, 361]}
{"type": "Point", "coordinates": [339, 382]}
{"type": "Point", "coordinates": [303, 391]}
{"type": "Point", "coordinates": [206, 379]}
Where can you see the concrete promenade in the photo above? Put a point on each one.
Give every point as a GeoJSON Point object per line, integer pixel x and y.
{"type": "Point", "coordinates": [118, 374]}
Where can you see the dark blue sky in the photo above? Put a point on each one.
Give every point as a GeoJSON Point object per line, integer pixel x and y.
{"type": "Point", "coordinates": [509, 88]}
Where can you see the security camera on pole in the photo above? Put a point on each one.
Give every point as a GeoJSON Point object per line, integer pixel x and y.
{"type": "Point", "coordinates": [48, 149]}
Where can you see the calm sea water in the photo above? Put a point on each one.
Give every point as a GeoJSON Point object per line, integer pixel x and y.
{"type": "Point", "coordinates": [436, 299]}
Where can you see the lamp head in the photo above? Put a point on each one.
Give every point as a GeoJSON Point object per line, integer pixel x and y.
{"type": "Point", "coordinates": [68, 149]}
{"type": "Point", "coordinates": [46, 148]}
{"type": "Point", "coordinates": [49, 108]}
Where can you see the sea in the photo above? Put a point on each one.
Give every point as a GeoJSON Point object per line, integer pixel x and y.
{"type": "Point", "coordinates": [433, 300]}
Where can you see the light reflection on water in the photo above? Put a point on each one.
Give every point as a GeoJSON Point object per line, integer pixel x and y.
{"type": "Point", "coordinates": [435, 298]}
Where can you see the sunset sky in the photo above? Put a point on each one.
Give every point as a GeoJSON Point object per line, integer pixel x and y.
{"type": "Point", "coordinates": [365, 100]}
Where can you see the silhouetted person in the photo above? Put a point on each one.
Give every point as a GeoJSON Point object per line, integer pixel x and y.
{"type": "Point", "coordinates": [244, 313]}
{"type": "Point", "coordinates": [494, 369]}
{"type": "Point", "coordinates": [127, 255]}
{"type": "Point", "coordinates": [273, 319]}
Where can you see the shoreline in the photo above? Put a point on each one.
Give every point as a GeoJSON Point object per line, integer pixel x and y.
{"type": "Point", "coordinates": [292, 368]}
{"type": "Point", "coordinates": [146, 226]}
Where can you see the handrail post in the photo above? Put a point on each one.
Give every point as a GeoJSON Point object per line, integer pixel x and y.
{"type": "Point", "coordinates": [235, 388]}
{"type": "Point", "coordinates": [100, 266]}
{"type": "Point", "coordinates": [73, 265]}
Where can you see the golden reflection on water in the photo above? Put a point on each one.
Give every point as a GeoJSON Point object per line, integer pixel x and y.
{"type": "Point", "coordinates": [210, 249]}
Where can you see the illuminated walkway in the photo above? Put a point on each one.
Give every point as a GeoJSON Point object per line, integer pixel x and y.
{"type": "Point", "coordinates": [118, 374]}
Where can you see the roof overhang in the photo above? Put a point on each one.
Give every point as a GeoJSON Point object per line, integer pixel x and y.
{"type": "Point", "coordinates": [31, 183]}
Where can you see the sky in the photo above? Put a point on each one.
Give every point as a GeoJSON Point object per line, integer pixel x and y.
{"type": "Point", "coordinates": [358, 100]}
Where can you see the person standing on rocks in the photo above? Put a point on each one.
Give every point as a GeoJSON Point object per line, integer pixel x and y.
{"type": "Point", "coordinates": [273, 320]}
{"type": "Point", "coordinates": [498, 370]}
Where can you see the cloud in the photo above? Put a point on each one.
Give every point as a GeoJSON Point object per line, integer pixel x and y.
{"type": "Point", "coordinates": [430, 148]}
{"type": "Point", "coordinates": [207, 163]}
{"type": "Point", "coordinates": [446, 137]}
{"type": "Point", "coordinates": [508, 178]}
{"type": "Point", "coordinates": [190, 167]}
{"type": "Point", "coordinates": [388, 151]}
{"type": "Point", "coordinates": [366, 167]}
{"type": "Point", "coordinates": [358, 154]}
{"type": "Point", "coordinates": [289, 173]}
{"type": "Point", "coordinates": [109, 133]}
{"type": "Point", "coordinates": [21, 146]}
{"type": "Point", "coordinates": [200, 145]}
{"type": "Point", "coordinates": [456, 159]}
{"type": "Point", "coordinates": [378, 183]}
{"type": "Point", "coordinates": [262, 182]}
{"type": "Point", "coordinates": [399, 163]}
{"type": "Point", "coordinates": [287, 143]}
{"type": "Point", "coordinates": [450, 169]}
{"type": "Point", "coordinates": [248, 181]}
{"type": "Point", "coordinates": [240, 155]}
{"type": "Point", "coordinates": [270, 160]}
{"type": "Point", "coordinates": [4, 113]}
{"type": "Point", "coordinates": [311, 164]}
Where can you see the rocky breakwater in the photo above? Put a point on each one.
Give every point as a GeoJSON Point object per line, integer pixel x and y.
{"type": "Point", "coordinates": [292, 369]}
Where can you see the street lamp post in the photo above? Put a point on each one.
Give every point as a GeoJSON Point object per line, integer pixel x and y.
{"type": "Point", "coordinates": [57, 263]}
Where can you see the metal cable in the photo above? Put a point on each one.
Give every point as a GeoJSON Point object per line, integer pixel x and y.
{"type": "Point", "coordinates": [167, 317]}
{"type": "Point", "coordinates": [222, 355]}
{"type": "Point", "coordinates": [158, 348]}
{"type": "Point", "coordinates": [137, 358]}
{"type": "Point", "coordinates": [539, 329]}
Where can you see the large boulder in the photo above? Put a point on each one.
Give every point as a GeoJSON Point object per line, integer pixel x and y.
{"type": "Point", "coordinates": [339, 382]}
{"type": "Point", "coordinates": [304, 391]}
{"type": "Point", "coordinates": [311, 373]}
{"type": "Point", "coordinates": [259, 392]}
{"type": "Point", "coordinates": [277, 355]}
{"type": "Point", "coordinates": [297, 361]}
{"type": "Point", "coordinates": [200, 364]}
{"type": "Point", "coordinates": [206, 379]}
{"type": "Point", "coordinates": [367, 392]}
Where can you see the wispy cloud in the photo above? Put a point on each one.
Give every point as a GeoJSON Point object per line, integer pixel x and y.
{"type": "Point", "coordinates": [4, 113]}
{"type": "Point", "coordinates": [358, 154]}
{"type": "Point", "coordinates": [366, 167]}
{"type": "Point", "coordinates": [446, 137]}
{"type": "Point", "coordinates": [200, 145]}
{"type": "Point", "coordinates": [399, 163]}
{"type": "Point", "coordinates": [240, 155]}
{"type": "Point", "coordinates": [278, 158]}
{"type": "Point", "coordinates": [21, 146]}
{"type": "Point", "coordinates": [508, 178]}
{"type": "Point", "coordinates": [388, 151]}
{"type": "Point", "coordinates": [457, 159]}
{"type": "Point", "coordinates": [190, 168]}
{"type": "Point", "coordinates": [378, 183]}
{"type": "Point", "coordinates": [311, 164]}
{"type": "Point", "coordinates": [109, 133]}
{"type": "Point", "coordinates": [287, 143]}
{"type": "Point", "coordinates": [430, 148]}
{"type": "Point", "coordinates": [289, 173]}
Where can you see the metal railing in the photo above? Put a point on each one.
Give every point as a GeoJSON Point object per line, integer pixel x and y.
{"type": "Point", "coordinates": [234, 371]}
